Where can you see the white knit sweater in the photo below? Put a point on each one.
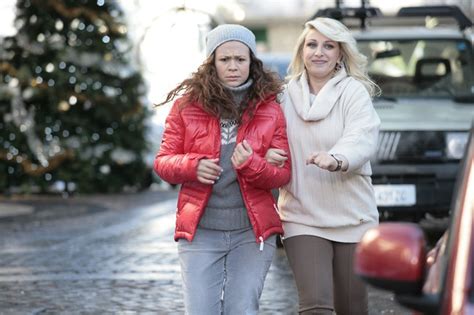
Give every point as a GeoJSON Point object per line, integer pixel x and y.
{"type": "Point", "coordinates": [338, 206]}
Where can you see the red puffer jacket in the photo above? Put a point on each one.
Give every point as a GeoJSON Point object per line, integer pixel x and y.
{"type": "Point", "coordinates": [191, 134]}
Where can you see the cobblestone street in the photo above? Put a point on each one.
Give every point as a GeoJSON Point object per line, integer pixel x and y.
{"type": "Point", "coordinates": [110, 255]}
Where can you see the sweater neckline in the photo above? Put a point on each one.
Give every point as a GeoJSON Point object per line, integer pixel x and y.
{"type": "Point", "coordinates": [315, 108]}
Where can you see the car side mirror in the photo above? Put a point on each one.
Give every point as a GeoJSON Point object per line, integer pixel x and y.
{"type": "Point", "coordinates": [392, 257]}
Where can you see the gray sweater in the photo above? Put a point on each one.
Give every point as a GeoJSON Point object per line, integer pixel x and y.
{"type": "Point", "coordinates": [226, 209]}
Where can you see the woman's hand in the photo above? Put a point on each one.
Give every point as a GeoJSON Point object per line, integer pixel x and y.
{"type": "Point", "coordinates": [208, 171]}
{"type": "Point", "coordinates": [242, 152]}
{"type": "Point", "coordinates": [323, 160]}
{"type": "Point", "coordinates": [276, 157]}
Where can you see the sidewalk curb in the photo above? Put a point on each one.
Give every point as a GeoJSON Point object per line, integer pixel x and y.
{"type": "Point", "coordinates": [11, 210]}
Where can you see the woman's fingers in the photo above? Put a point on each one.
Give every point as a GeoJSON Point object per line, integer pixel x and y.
{"type": "Point", "coordinates": [242, 152]}
{"type": "Point", "coordinates": [279, 152]}
{"type": "Point", "coordinates": [208, 171]}
{"type": "Point", "coordinates": [276, 155]}
{"type": "Point", "coordinates": [311, 159]}
{"type": "Point", "coordinates": [211, 166]}
{"type": "Point", "coordinates": [323, 160]}
{"type": "Point", "coordinates": [246, 146]}
{"type": "Point", "coordinates": [234, 160]}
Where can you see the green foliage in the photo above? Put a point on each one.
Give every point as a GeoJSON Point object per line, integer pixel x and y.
{"type": "Point", "coordinates": [71, 100]}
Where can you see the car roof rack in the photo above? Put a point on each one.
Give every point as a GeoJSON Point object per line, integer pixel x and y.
{"type": "Point", "coordinates": [437, 11]}
{"type": "Point", "coordinates": [361, 13]}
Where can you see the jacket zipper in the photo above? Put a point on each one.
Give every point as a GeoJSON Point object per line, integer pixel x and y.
{"type": "Point", "coordinates": [241, 132]}
{"type": "Point", "coordinates": [208, 196]}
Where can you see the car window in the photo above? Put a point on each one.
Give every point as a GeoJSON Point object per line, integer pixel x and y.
{"type": "Point", "coordinates": [420, 68]}
{"type": "Point", "coordinates": [277, 63]}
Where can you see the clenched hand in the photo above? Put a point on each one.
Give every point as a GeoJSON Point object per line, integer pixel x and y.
{"type": "Point", "coordinates": [208, 171]}
{"type": "Point", "coordinates": [242, 152]}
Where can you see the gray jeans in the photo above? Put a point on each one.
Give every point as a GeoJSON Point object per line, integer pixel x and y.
{"type": "Point", "coordinates": [224, 271]}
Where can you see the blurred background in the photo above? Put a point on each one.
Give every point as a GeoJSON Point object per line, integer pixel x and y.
{"type": "Point", "coordinates": [78, 80]}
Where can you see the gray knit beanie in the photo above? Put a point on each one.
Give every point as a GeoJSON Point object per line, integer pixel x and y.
{"type": "Point", "coordinates": [228, 32]}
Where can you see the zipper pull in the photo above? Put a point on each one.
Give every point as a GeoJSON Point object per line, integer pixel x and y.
{"type": "Point", "coordinates": [261, 243]}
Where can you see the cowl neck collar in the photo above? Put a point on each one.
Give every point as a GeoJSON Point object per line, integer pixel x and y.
{"type": "Point", "coordinates": [321, 105]}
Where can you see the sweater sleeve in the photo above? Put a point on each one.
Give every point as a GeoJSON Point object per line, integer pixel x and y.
{"type": "Point", "coordinates": [263, 175]}
{"type": "Point", "coordinates": [172, 164]}
{"type": "Point", "coordinates": [361, 127]}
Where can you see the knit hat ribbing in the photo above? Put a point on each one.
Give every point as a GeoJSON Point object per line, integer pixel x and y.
{"type": "Point", "coordinates": [229, 32]}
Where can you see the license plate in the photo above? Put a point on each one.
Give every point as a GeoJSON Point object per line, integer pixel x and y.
{"type": "Point", "coordinates": [395, 195]}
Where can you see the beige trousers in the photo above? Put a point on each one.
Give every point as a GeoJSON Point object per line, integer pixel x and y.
{"type": "Point", "coordinates": [324, 276]}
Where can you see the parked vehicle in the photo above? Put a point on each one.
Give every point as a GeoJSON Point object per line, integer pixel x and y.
{"type": "Point", "coordinates": [426, 74]}
{"type": "Point", "coordinates": [394, 257]}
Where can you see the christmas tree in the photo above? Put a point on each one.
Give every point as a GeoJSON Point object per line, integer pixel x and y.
{"type": "Point", "coordinates": [71, 101]}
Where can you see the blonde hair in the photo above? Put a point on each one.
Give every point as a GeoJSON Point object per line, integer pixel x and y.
{"type": "Point", "coordinates": [354, 62]}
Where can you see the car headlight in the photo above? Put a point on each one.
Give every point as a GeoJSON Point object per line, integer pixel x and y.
{"type": "Point", "coordinates": [455, 144]}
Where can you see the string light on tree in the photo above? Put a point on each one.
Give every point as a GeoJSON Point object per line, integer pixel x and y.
{"type": "Point", "coordinates": [72, 114]}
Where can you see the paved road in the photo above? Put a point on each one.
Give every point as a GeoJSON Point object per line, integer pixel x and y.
{"type": "Point", "coordinates": [110, 255]}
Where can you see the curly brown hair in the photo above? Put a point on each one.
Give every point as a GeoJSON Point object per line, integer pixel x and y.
{"type": "Point", "coordinates": [204, 87]}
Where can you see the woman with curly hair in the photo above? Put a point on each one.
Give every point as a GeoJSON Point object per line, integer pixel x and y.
{"type": "Point", "coordinates": [216, 136]}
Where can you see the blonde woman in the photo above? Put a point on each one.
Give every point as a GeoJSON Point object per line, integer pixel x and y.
{"type": "Point", "coordinates": [329, 202]}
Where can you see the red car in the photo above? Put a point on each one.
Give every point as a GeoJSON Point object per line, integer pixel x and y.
{"type": "Point", "coordinates": [394, 256]}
